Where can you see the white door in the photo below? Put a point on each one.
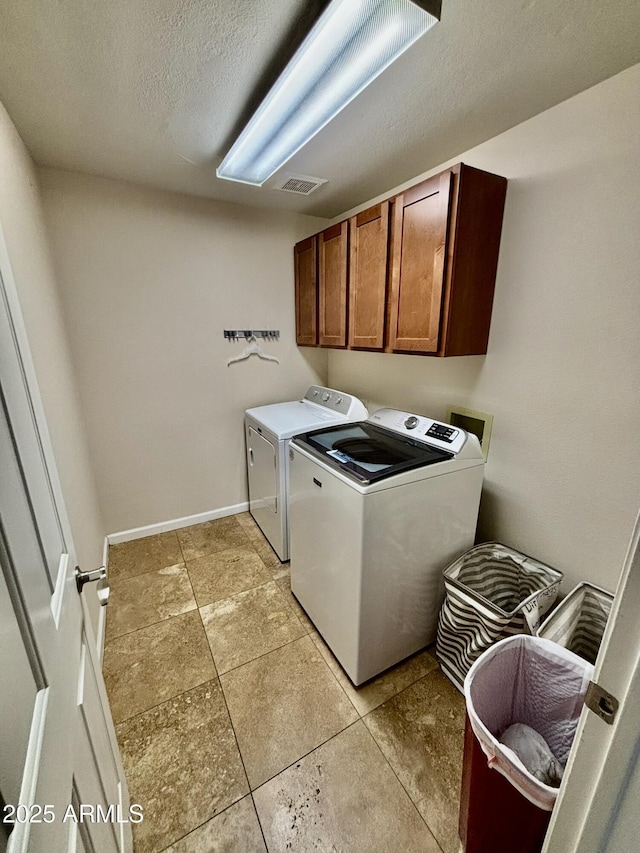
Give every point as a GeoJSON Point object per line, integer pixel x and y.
{"type": "Point", "coordinates": [57, 741]}
{"type": "Point", "coordinates": [598, 808]}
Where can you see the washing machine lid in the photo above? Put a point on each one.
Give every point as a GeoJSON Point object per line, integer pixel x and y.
{"type": "Point", "coordinates": [367, 452]}
{"type": "Point", "coordinates": [320, 407]}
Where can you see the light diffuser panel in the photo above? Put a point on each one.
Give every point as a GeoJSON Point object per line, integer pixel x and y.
{"type": "Point", "coordinates": [350, 45]}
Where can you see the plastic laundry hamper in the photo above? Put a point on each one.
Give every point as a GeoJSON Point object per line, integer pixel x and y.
{"type": "Point", "coordinates": [579, 621]}
{"type": "Point", "coordinates": [491, 592]}
{"type": "Point", "coordinates": [522, 679]}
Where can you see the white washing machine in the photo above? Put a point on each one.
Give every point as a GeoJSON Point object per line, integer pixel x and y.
{"type": "Point", "coordinates": [268, 430]}
{"type": "Point", "coordinates": [377, 510]}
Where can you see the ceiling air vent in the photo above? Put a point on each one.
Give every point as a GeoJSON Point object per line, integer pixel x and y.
{"type": "Point", "coordinates": [300, 184]}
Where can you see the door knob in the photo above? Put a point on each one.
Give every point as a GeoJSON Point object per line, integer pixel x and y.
{"type": "Point", "coordinates": [99, 575]}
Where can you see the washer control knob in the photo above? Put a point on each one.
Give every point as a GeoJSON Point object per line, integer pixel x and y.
{"type": "Point", "coordinates": [315, 392]}
{"type": "Point", "coordinates": [411, 422]}
{"type": "Point", "coordinates": [326, 397]}
{"type": "Point", "coordinates": [339, 400]}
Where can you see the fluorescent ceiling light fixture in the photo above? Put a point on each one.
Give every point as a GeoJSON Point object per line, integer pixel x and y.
{"type": "Point", "coordinates": [352, 43]}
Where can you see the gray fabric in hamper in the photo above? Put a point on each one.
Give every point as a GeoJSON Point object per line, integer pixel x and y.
{"type": "Point", "coordinates": [491, 592]}
{"type": "Point", "coordinates": [578, 622]}
{"type": "Point", "coordinates": [532, 681]}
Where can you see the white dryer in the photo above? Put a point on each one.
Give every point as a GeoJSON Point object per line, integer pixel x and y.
{"type": "Point", "coordinates": [377, 510]}
{"type": "Point", "coordinates": [268, 430]}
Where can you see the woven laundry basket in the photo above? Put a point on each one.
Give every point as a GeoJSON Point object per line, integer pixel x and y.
{"type": "Point", "coordinates": [578, 622]}
{"type": "Point", "coordinates": [491, 592]}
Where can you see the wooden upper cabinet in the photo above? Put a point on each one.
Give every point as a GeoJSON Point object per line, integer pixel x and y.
{"type": "Point", "coordinates": [306, 279]}
{"type": "Point", "coordinates": [475, 228]}
{"type": "Point", "coordinates": [445, 240]}
{"type": "Point", "coordinates": [415, 273]}
{"type": "Point", "coordinates": [420, 223]}
{"type": "Point", "coordinates": [368, 250]}
{"type": "Point", "coordinates": [332, 286]}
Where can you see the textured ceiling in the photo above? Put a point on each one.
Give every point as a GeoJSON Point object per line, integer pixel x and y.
{"type": "Point", "coordinates": [150, 90]}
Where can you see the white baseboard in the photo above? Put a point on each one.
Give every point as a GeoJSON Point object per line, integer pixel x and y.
{"type": "Point", "coordinates": [174, 524]}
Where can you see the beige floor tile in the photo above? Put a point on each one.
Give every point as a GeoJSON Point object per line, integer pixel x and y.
{"type": "Point", "coordinates": [236, 830]}
{"type": "Point", "coordinates": [149, 666]}
{"type": "Point", "coordinates": [139, 601]}
{"type": "Point", "coordinates": [182, 765]}
{"type": "Point", "coordinates": [225, 573]}
{"type": "Point", "coordinates": [249, 525]}
{"type": "Point", "coordinates": [144, 555]}
{"type": "Point", "coordinates": [269, 557]}
{"type": "Point", "coordinates": [284, 585]}
{"type": "Point", "coordinates": [278, 570]}
{"type": "Point", "coordinates": [296, 704]}
{"type": "Point", "coordinates": [211, 537]}
{"type": "Point", "coordinates": [341, 797]}
{"type": "Point", "coordinates": [379, 689]}
{"type": "Point", "coordinates": [287, 696]}
{"type": "Point", "coordinates": [421, 732]}
{"type": "Point", "coordinates": [249, 624]}
{"type": "Point", "coordinates": [261, 544]}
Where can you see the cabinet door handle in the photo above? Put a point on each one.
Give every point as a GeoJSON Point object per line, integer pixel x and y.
{"type": "Point", "coordinates": [317, 482]}
{"type": "Point", "coordinates": [251, 456]}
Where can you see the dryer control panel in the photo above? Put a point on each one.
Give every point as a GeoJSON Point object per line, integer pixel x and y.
{"type": "Point", "coordinates": [336, 401]}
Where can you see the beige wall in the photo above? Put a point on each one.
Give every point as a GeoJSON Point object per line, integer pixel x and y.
{"type": "Point", "coordinates": [149, 279]}
{"type": "Point", "coordinates": [562, 374]}
{"type": "Point", "coordinates": [25, 234]}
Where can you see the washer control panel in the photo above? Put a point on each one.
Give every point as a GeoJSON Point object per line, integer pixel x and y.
{"type": "Point", "coordinates": [442, 431]}
{"type": "Point", "coordinates": [420, 428]}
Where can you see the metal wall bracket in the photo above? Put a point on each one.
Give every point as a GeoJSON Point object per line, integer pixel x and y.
{"type": "Point", "coordinates": [237, 334]}
{"type": "Point", "coordinates": [601, 702]}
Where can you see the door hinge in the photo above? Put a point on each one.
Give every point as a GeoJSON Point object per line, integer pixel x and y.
{"type": "Point", "coordinates": [601, 702]}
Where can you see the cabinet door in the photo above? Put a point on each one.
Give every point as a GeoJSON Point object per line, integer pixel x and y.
{"type": "Point", "coordinates": [419, 237]}
{"type": "Point", "coordinates": [332, 248]}
{"type": "Point", "coordinates": [306, 272]}
{"type": "Point", "coordinates": [475, 227]}
{"type": "Point", "coordinates": [368, 248]}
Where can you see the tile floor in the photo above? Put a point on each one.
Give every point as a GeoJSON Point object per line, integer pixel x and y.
{"type": "Point", "coordinates": [239, 731]}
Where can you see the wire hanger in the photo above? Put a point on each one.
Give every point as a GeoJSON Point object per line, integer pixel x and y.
{"type": "Point", "coordinates": [254, 348]}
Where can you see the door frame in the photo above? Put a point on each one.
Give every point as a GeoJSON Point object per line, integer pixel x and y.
{"type": "Point", "coordinates": [595, 807]}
